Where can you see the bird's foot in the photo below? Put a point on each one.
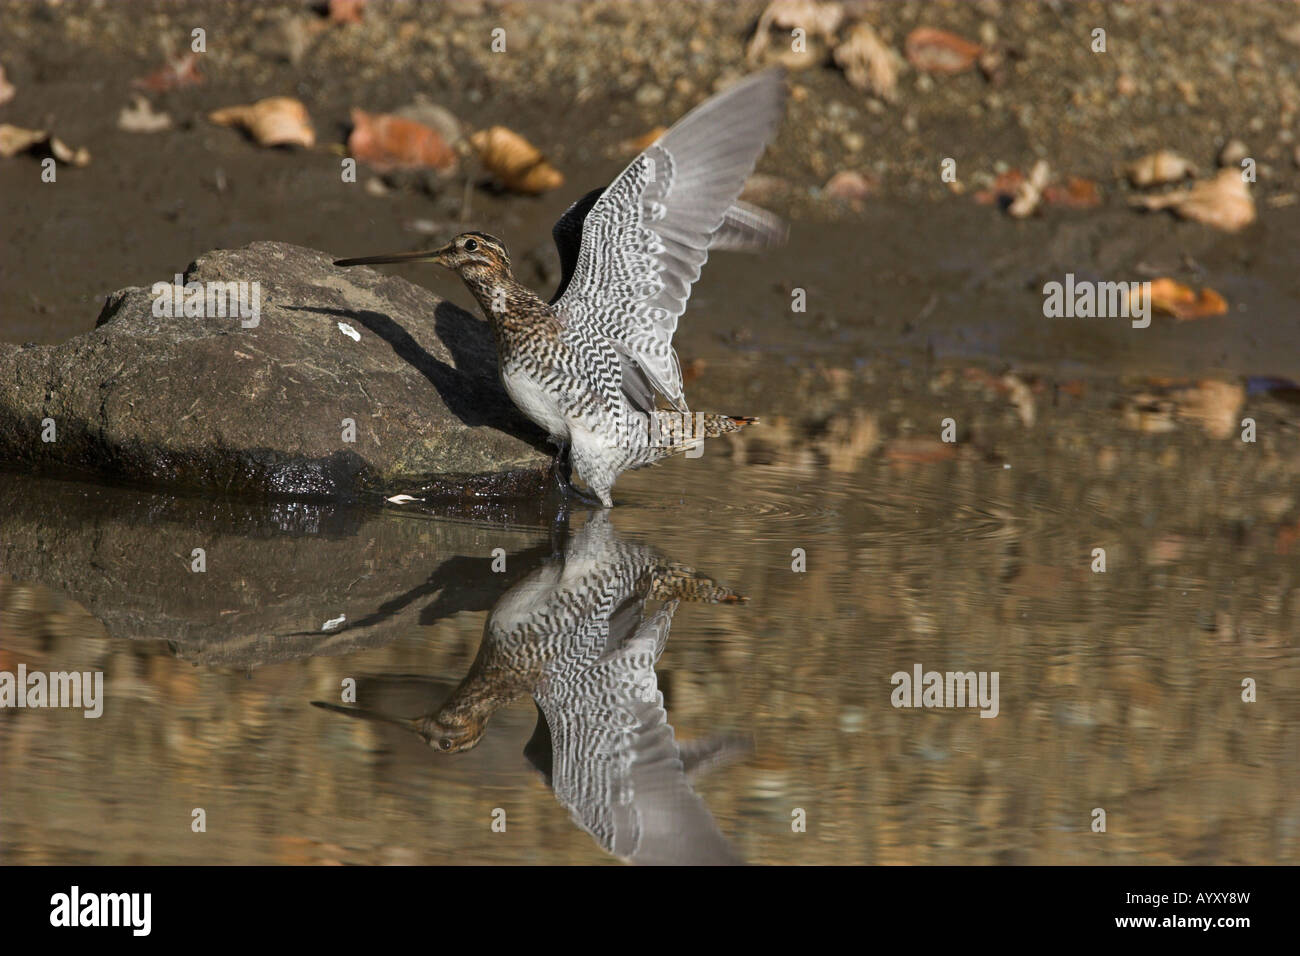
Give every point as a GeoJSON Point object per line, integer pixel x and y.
{"type": "Point", "coordinates": [562, 468]}
{"type": "Point", "coordinates": [588, 498]}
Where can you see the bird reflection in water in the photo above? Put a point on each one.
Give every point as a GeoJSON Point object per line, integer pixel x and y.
{"type": "Point", "coordinates": [574, 634]}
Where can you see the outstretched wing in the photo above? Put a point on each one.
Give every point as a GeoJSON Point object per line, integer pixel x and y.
{"type": "Point", "coordinates": [645, 238]}
{"type": "Point", "coordinates": [744, 226]}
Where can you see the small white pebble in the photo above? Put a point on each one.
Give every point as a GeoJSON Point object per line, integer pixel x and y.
{"type": "Point", "coordinates": [350, 332]}
{"type": "Point", "coordinates": [400, 499]}
{"type": "Point", "coordinates": [333, 622]}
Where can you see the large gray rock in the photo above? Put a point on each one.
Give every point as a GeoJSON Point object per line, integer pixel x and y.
{"type": "Point", "coordinates": [207, 402]}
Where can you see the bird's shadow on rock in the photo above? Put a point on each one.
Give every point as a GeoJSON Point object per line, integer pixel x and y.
{"type": "Point", "coordinates": [476, 398]}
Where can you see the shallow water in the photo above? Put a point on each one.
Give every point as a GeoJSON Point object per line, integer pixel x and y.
{"type": "Point", "coordinates": [1119, 691]}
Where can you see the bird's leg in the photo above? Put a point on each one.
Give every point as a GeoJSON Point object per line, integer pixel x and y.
{"type": "Point", "coordinates": [562, 467]}
{"type": "Point", "coordinates": [560, 528]}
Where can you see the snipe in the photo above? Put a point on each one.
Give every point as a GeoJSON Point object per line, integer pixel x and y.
{"type": "Point", "coordinates": [588, 365]}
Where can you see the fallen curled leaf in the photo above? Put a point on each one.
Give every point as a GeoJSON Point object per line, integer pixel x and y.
{"type": "Point", "coordinates": [346, 11]}
{"type": "Point", "coordinates": [1223, 202]}
{"type": "Point", "coordinates": [814, 17]}
{"type": "Point", "coordinates": [869, 63]}
{"type": "Point", "coordinates": [638, 143]}
{"type": "Point", "coordinates": [16, 139]}
{"type": "Point", "coordinates": [66, 154]}
{"type": "Point", "coordinates": [1174, 298]}
{"type": "Point", "coordinates": [1030, 192]}
{"type": "Point", "coordinates": [275, 121]}
{"type": "Point", "coordinates": [182, 71]}
{"type": "Point", "coordinates": [517, 163]}
{"type": "Point", "coordinates": [386, 142]}
{"type": "Point", "coordinates": [1003, 189]}
{"type": "Point", "coordinates": [7, 89]}
{"type": "Point", "coordinates": [140, 117]}
{"type": "Point", "coordinates": [1077, 193]}
{"type": "Point", "coordinates": [938, 51]}
{"type": "Point", "coordinates": [1155, 169]}
{"type": "Point", "coordinates": [849, 186]}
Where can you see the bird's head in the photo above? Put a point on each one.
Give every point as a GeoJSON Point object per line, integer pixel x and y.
{"type": "Point", "coordinates": [473, 250]}
{"type": "Point", "coordinates": [451, 735]}
{"type": "Point", "coordinates": [446, 733]}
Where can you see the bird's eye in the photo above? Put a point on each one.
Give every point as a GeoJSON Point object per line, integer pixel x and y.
{"type": "Point", "coordinates": [445, 743]}
{"type": "Point", "coordinates": [471, 245]}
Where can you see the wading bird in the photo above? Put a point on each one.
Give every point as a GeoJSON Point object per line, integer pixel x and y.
{"type": "Point", "coordinates": [588, 365]}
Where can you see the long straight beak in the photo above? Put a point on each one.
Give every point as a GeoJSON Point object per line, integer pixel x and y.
{"type": "Point", "coordinates": [434, 255]}
{"type": "Point", "coordinates": [407, 723]}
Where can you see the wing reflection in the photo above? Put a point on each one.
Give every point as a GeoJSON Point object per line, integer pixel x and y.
{"type": "Point", "coordinates": [575, 635]}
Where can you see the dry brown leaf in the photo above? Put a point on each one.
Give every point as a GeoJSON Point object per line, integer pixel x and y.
{"type": "Point", "coordinates": [140, 117]}
{"type": "Point", "coordinates": [517, 163]}
{"type": "Point", "coordinates": [1077, 193]}
{"type": "Point", "coordinates": [346, 11]}
{"type": "Point", "coordinates": [275, 121]}
{"type": "Point", "coordinates": [938, 51]}
{"type": "Point", "coordinates": [637, 143]}
{"type": "Point", "coordinates": [1223, 202]}
{"type": "Point", "coordinates": [1003, 189]}
{"type": "Point", "coordinates": [15, 139]}
{"type": "Point", "coordinates": [7, 89]}
{"type": "Point", "coordinates": [1030, 192]}
{"type": "Point", "coordinates": [869, 63]}
{"type": "Point", "coordinates": [66, 154]}
{"type": "Point", "coordinates": [815, 18]}
{"type": "Point", "coordinates": [1162, 166]}
{"type": "Point", "coordinates": [182, 71]}
{"type": "Point", "coordinates": [849, 186]}
{"type": "Point", "coordinates": [386, 142]}
{"type": "Point", "coordinates": [1174, 298]}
